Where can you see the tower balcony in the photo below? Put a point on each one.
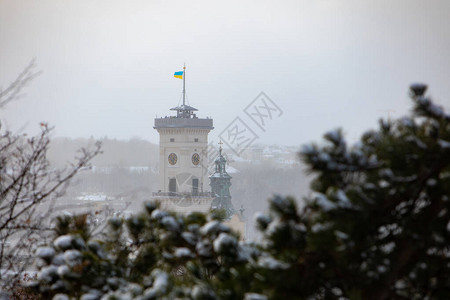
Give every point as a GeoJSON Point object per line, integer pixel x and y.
{"type": "Point", "coordinates": [175, 122]}
{"type": "Point", "coordinates": [183, 194]}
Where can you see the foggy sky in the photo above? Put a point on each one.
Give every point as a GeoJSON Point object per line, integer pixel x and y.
{"type": "Point", "coordinates": [108, 65]}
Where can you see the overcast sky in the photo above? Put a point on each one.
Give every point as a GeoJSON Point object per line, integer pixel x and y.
{"type": "Point", "coordinates": [108, 65]}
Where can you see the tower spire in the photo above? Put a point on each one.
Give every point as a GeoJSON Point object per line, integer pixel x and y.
{"type": "Point", "coordinates": [220, 147]}
{"type": "Point", "coordinates": [220, 183]}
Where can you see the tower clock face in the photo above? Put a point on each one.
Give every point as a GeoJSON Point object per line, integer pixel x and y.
{"type": "Point", "coordinates": [173, 158]}
{"type": "Point", "coordinates": [195, 159]}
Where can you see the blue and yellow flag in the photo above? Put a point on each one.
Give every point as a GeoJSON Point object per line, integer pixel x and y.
{"type": "Point", "coordinates": [178, 74]}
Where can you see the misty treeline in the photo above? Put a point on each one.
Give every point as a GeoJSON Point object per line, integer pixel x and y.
{"type": "Point", "coordinates": [116, 153]}
{"type": "Point", "coordinates": [129, 169]}
{"type": "Point", "coordinates": [125, 168]}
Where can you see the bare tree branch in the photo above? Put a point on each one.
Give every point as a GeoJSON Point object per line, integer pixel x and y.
{"type": "Point", "coordinates": [27, 181]}
{"type": "Point", "coordinates": [11, 92]}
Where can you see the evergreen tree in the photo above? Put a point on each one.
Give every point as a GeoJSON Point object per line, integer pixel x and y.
{"type": "Point", "coordinates": [153, 255]}
{"type": "Point", "coordinates": [379, 222]}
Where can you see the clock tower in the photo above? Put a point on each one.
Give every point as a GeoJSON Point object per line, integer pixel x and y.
{"type": "Point", "coordinates": [183, 161]}
{"type": "Point", "coordinates": [182, 157]}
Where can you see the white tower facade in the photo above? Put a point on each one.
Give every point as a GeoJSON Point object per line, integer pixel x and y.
{"type": "Point", "coordinates": [183, 159]}
{"type": "Point", "coordinates": [183, 140]}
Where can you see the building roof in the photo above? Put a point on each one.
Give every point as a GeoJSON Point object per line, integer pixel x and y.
{"type": "Point", "coordinates": [184, 107]}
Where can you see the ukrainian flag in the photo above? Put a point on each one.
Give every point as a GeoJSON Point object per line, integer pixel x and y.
{"type": "Point", "coordinates": [179, 74]}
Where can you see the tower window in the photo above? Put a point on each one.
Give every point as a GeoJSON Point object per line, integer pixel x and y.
{"type": "Point", "coordinates": [172, 186]}
{"type": "Point", "coordinates": [195, 186]}
{"type": "Point", "coordinates": [196, 140]}
{"type": "Point", "coordinates": [172, 140]}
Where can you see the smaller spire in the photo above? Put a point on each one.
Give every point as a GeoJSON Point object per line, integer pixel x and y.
{"type": "Point", "coordinates": [220, 147]}
{"type": "Point", "coordinates": [220, 182]}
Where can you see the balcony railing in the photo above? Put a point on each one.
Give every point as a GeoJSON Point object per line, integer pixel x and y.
{"type": "Point", "coordinates": [173, 122]}
{"type": "Point", "coordinates": [185, 194]}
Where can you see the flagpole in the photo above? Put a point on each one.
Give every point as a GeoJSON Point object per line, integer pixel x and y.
{"type": "Point", "coordinates": [184, 85]}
